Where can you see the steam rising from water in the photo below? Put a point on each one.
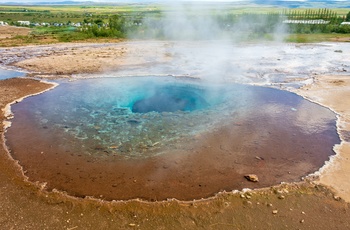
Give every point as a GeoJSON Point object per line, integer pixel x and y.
{"type": "Point", "coordinates": [217, 29]}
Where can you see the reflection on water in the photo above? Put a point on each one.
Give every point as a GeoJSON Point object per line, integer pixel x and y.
{"type": "Point", "coordinates": [5, 74]}
{"type": "Point", "coordinates": [131, 115]}
{"type": "Point", "coordinates": [83, 137]}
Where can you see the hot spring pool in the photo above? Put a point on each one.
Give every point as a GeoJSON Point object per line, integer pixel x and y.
{"type": "Point", "coordinates": [156, 138]}
{"type": "Point", "coordinates": [5, 74]}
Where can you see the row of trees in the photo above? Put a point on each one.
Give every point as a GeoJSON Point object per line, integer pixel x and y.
{"type": "Point", "coordinates": [310, 14]}
{"type": "Point", "coordinates": [332, 25]}
{"type": "Point", "coordinates": [156, 26]}
{"type": "Point", "coordinates": [295, 21]}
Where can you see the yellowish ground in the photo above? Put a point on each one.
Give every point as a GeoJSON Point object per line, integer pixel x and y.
{"type": "Point", "coordinates": [10, 31]}
{"type": "Point", "coordinates": [334, 93]}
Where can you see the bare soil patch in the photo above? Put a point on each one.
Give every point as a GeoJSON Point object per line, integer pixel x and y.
{"type": "Point", "coordinates": [12, 31]}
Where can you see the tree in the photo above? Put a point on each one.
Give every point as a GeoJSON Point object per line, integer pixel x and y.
{"type": "Point", "coordinates": [117, 23]}
{"type": "Point", "coordinates": [99, 22]}
{"type": "Point", "coordinates": [348, 17]}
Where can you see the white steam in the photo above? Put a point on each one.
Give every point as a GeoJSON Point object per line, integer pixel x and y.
{"type": "Point", "coordinates": [205, 38]}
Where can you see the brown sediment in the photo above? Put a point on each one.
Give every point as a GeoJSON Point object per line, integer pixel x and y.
{"type": "Point", "coordinates": [13, 91]}
{"type": "Point", "coordinates": [24, 206]}
{"type": "Point", "coordinates": [193, 168]}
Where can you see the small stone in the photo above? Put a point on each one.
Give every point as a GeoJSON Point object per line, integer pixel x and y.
{"type": "Point", "coordinates": [252, 177]}
{"type": "Point", "coordinates": [303, 213]}
{"type": "Point", "coordinates": [269, 205]}
{"type": "Point", "coordinates": [281, 197]}
{"type": "Point", "coordinates": [126, 147]}
{"type": "Point", "coordinates": [248, 193]}
{"type": "Point", "coordinates": [337, 198]}
{"type": "Point", "coordinates": [248, 197]}
{"type": "Point", "coordinates": [274, 211]}
{"type": "Point", "coordinates": [242, 196]}
{"type": "Point", "coordinates": [134, 121]}
{"type": "Point", "coordinates": [132, 225]}
{"type": "Point", "coordinates": [302, 221]}
{"type": "Point", "coordinates": [247, 202]}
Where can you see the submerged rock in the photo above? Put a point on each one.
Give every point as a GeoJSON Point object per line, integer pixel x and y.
{"type": "Point", "coordinates": [133, 121]}
{"type": "Point", "coordinates": [125, 148]}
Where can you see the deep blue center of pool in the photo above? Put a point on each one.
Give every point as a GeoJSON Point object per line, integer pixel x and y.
{"type": "Point", "coordinates": [172, 99]}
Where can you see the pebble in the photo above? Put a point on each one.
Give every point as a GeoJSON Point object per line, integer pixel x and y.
{"type": "Point", "coordinates": [274, 211]}
{"type": "Point", "coordinates": [252, 177]}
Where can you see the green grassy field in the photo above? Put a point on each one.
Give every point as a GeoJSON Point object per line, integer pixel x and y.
{"type": "Point", "coordinates": [100, 15]}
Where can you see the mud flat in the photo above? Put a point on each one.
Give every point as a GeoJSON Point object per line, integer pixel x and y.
{"type": "Point", "coordinates": [305, 205]}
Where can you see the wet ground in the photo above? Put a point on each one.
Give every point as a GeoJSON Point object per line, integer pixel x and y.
{"type": "Point", "coordinates": [78, 141]}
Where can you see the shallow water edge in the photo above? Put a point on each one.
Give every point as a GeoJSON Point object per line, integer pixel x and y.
{"type": "Point", "coordinates": [163, 198]}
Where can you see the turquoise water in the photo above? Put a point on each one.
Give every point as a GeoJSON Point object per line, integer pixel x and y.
{"type": "Point", "coordinates": [172, 98]}
{"type": "Point", "coordinates": [138, 116]}
{"type": "Point", "coordinates": [5, 74]}
{"type": "Point", "coordinates": [134, 114]}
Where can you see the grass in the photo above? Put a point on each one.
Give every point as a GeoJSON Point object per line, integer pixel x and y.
{"type": "Point", "coordinates": [313, 38]}
{"type": "Point", "coordinates": [65, 14]}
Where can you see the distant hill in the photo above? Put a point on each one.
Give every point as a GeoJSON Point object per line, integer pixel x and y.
{"type": "Point", "coordinates": [49, 3]}
{"type": "Point", "coordinates": [305, 3]}
{"type": "Point", "coordinates": [278, 3]}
